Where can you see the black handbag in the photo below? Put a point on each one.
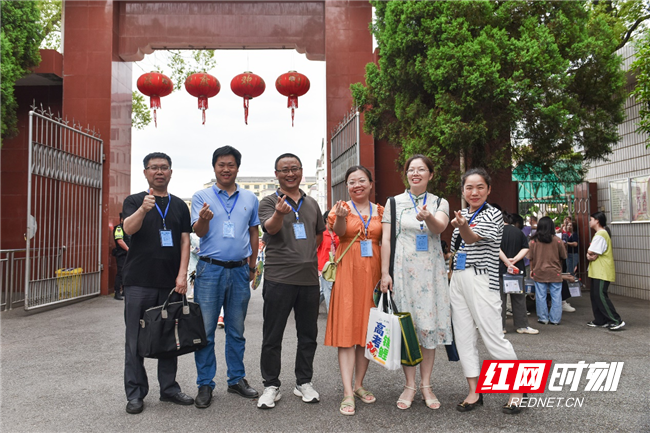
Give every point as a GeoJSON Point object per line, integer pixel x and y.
{"type": "Point", "coordinates": [171, 329]}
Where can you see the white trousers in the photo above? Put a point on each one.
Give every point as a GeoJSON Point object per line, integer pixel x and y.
{"type": "Point", "coordinates": [474, 305]}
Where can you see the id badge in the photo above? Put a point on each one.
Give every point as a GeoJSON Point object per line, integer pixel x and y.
{"type": "Point", "coordinates": [166, 238]}
{"type": "Point", "coordinates": [228, 229]}
{"type": "Point", "coordinates": [421, 242]}
{"type": "Point", "coordinates": [366, 248]}
{"type": "Point", "coordinates": [460, 261]}
{"type": "Point", "coordinates": [299, 231]}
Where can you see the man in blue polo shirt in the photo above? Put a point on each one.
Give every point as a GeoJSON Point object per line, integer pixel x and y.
{"type": "Point", "coordinates": [225, 218]}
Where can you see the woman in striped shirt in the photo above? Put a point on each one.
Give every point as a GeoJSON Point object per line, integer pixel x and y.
{"type": "Point", "coordinates": [474, 287]}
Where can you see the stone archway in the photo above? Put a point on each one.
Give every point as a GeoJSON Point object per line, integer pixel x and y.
{"type": "Point", "coordinates": [101, 38]}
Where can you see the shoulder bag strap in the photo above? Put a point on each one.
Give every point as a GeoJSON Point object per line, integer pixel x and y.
{"type": "Point", "coordinates": [393, 231]}
{"type": "Point", "coordinates": [348, 247]}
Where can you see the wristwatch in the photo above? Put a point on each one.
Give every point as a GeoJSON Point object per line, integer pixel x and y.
{"type": "Point", "coordinates": [252, 269]}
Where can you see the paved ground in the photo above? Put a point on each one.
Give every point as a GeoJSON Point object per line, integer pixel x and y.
{"type": "Point", "coordinates": [62, 372]}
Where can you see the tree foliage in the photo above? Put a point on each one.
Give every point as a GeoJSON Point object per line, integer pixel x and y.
{"type": "Point", "coordinates": [20, 38]}
{"type": "Point", "coordinates": [50, 22]}
{"type": "Point", "coordinates": [531, 82]}
{"type": "Point", "coordinates": [625, 17]}
{"type": "Point", "coordinates": [641, 67]}
{"type": "Point", "coordinates": [140, 114]}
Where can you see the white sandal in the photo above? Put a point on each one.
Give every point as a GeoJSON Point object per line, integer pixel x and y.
{"type": "Point", "coordinates": [431, 403]}
{"type": "Point", "coordinates": [406, 403]}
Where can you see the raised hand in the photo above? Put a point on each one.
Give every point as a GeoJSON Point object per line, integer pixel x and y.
{"type": "Point", "coordinates": [205, 212]}
{"type": "Point", "coordinates": [282, 206]}
{"type": "Point", "coordinates": [149, 201]}
{"type": "Point", "coordinates": [340, 210]}
{"type": "Point", "coordinates": [423, 214]}
{"type": "Point", "coordinates": [459, 221]}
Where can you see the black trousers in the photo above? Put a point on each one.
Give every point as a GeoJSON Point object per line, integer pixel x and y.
{"type": "Point", "coordinates": [279, 300]}
{"type": "Point", "coordinates": [119, 259]}
{"type": "Point", "coordinates": [601, 305]}
{"type": "Point", "coordinates": [136, 300]}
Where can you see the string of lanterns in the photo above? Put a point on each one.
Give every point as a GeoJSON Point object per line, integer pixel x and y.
{"type": "Point", "coordinates": [204, 86]}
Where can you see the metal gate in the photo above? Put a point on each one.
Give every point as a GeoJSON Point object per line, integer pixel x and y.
{"type": "Point", "coordinates": [64, 203]}
{"type": "Point", "coordinates": [344, 153]}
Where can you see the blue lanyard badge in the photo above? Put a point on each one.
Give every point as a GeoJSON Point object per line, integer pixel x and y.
{"type": "Point", "coordinates": [166, 239]}
{"type": "Point", "coordinates": [228, 226]}
{"type": "Point", "coordinates": [421, 239]}
{"type": "Point", "coordinates": [461, 256]}
{"type": "Point", "coordinates": [366, 244]}
{"type": "Point", "coordinates": [298, 227]}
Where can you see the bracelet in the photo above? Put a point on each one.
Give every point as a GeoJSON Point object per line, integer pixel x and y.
{"type": "Point", "coordinates": [252, 269]}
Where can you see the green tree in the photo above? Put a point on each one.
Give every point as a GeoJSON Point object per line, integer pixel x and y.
{"type": "Point", "coordinates": [140, 114]}
{"type": "Point", "coordinates": [641, 68]}
{"type": "Point", "coordinates": [50, 22]}
{"type": "Point", "coordinates": [500, 81]}
{"type": "Point", "coordinates": [20, 38]}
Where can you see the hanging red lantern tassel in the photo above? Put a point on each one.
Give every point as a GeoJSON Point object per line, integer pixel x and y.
{"type": "Point", "coordinates": [292, 84]}
{"type": "Point", "coordinates": [248, 86]}
{"type": "Point", "coordinates": [155, 85]}
{"type": "Point", "coordinates": [202, 86]}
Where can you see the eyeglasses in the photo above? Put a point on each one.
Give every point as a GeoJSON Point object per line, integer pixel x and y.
{"type": "Point", "coordinates": [418, 171]}
{"type": "Point", "coordinates": [155, 168]}
{"type": "Point", "coordinates": [290, 170]}
{"type": "Point", "coordinates": [229, 166]}
{"type": "Point", "coordinates": [363, 181]}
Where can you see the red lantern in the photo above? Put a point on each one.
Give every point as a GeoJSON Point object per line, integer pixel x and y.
{"type": "Point", "coordinates": [248, 86]}
{"type": "Point", "coordinates": [155, 85]}
{"type": "Point", "coordinates": [203, 86]}
{"type": "Point", "coordinates": [292, 84]}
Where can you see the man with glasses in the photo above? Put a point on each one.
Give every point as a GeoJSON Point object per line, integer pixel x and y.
{"type": "Point", "coordinates": [225, 218]}
{"type": "Point", "coordinates": [295, 227]}
{"type": "Point", "coordinates": [159, 225]}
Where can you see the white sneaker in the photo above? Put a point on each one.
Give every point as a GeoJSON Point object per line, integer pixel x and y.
{"type": "Point", "coordinates": [307, 392]}
{"type": "Point", "coordinates": [567, 307]}
{"type": "Point", "coordinates": [508, 312]}
{"type": "Point", "coordinates": [527, 330]}
{"type": "Point", "coordinates": [269, 397]}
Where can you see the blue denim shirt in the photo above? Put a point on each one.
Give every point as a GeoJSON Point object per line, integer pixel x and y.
{"type": "Point", "coordinates": [243, 216]}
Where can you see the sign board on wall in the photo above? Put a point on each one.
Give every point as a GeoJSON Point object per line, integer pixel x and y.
{"type": "Point", "coordinates": [619, 198]}
{"type": "Point", "coordinates": [639, 187]}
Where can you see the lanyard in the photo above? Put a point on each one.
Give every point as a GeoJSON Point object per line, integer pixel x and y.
{"type": "Point", "coordinates": [292, 208]}
{"type": "Point", "coordinates": [224, 204]}
{"type": "Point", "coordinates": [415, 207]}
{"type": "Point", "coordinates": [165, 214]}
{"type": "Point", "coordinates": [363, 222]}
{"type": "Point", "coordinates": [478, 211]}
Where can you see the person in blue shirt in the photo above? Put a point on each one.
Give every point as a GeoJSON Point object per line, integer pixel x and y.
{"type": "Point", "coordinates": [225, 218]}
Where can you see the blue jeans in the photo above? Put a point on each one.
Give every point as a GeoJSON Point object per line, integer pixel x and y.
{"type": "Point", "coordinates": [216, 287]}
{"type": "Point", "coordinates": [325, 291]}
{"type": "Point", "coordinates": [555, 291]}
{"type": "Point", "coordinates": [571, 262]}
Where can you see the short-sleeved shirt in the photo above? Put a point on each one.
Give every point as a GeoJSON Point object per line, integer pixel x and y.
{"type": "Point", "coordinates": [513, 241]}
{"type": "Point", "coordinates": [118, 234]}
{"type": "Point", "coordinates": [243, 216]}
{"type": "Point", "coordinates": [483, 254]}
{"type": "Point", "coordinates": [573, 237]}
{"type": "Point", "coordinates": [148, 263]}
{"type": "Point", "coordinates": [290, 260]}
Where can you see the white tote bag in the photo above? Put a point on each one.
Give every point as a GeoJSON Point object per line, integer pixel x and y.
{"type": "Point", "coordinates": [384, 336]}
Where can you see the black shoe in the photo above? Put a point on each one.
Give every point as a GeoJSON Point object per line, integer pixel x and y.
{"type": "Point", "coordinates": [204, 397]}
{"type": "Point", "coordinates": [244, 389]}
{"type": "Point", "coordinates": [135, 406]}
{"type": "Point", "coordinates": [118, 296]}
{"type": "Point", "coordinates": [466, 407]}
{"type": "Point", "coordinates": [180, 398]}
{"type": "Point", "coordinates": [512, 409]}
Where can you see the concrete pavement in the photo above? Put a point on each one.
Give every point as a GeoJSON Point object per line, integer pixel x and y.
{"type": "Point", "coordinates": [62, 371]}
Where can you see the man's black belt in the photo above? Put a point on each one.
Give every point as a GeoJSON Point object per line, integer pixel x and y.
{"type": "Point", "coordinates": [227, 265]}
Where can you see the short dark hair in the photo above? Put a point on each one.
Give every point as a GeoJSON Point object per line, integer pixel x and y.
{"type": "Point", "coordinates": [121, 216]}
{"type": "Point", "coordinates": [285, 155]}
{"type": "Point", "coordinates": [545, 230]}
{"type": "Point", "coordinates": [480, 171]}
{"type": "Point", "coordinates": [225, 151]}
{"type": "Point", "coordinates": [517, 220]}
{"type": "Point", "coordinates": [326, 214]}
{"type": "Point", "coordinates": [357, 168]}
{"type": "Point", "coordinates": [156, 155]}
{"type": "Point", "coordinates": [427, 161]}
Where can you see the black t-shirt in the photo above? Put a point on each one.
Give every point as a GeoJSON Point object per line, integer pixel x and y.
{"type": "Point", "coordinates": [572, 238]}
{"type": "Point", "coordinates": [513, 241]}
{"type": "Point", "coordinates": [148, 263]}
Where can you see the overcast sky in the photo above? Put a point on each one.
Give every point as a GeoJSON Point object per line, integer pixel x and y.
{"type": "Point", "coordinates": [190, 144]}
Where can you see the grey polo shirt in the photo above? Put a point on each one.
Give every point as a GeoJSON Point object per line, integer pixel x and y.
{"type": "Point", "coordinates": [290, 260]}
